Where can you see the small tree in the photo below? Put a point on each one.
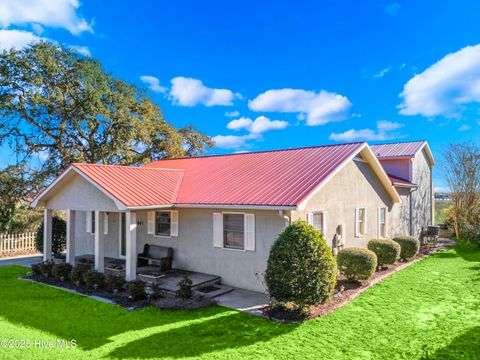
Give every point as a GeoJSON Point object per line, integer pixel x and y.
{"type": "Point", "coordinates": [59, 235]}
{"type": "Point", "coordinates": [301, 268]}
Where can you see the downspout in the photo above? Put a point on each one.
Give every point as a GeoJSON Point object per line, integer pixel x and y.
{"type": "Point", "coordinates": [284, 217]}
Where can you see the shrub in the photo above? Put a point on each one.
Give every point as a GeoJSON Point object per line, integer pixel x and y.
{"type": "Point", "coordinates": [94, 280]}
{"type": "Point", "coordinates": [185, 291]}
{"type": "Point", "coordinates": [387, 251]}
{"type": "Point", "coordinates": [59, 236]}
{"type": "Point", "coordinates": [78, 271]}
{"type": "Point", "coordinates": [37, 269]}
{"type": "Point", "coordinates": [301, 268]}
{"type": "Point", "coordinates": [45, 268]}
{"type": "Point", "coordinates": [136, 288]}
{"type": "Point", "coordinates": [357, 263]}
{"type": "Point", "coordinates": [62, 270]}
{"type": "Point", "coordinates": [409, 246]}
{"type": "Point", "coordinates": [114, 282]}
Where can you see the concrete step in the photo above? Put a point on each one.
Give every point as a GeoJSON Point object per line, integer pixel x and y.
{"type": "Point", "coordinates": [211, 291]}
{"type": "Point", "coordinates": [213, 281]}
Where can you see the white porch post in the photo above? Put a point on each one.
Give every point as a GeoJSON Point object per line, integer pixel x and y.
{"type": "Point", "coordinates": [71, 237]}
{"type": "Point", "coordinates": [131, 244]}
{"type": "Point", "coordinates": [47, 234]}
{"type": "Point", "coordinates": [99, 241]}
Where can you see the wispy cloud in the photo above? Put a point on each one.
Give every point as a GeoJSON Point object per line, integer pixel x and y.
{"type": "Point", "coordinates": [393, 9]}
{"type": "Point", "coordinates": [382, 73]}
{"type": "Point", "coordinates": [464, 127]}
{"type": "Point", "coordinates": [190, 92]}
{"type": "Point", "coordinates": [84, 50]}
{"type": "Point", "coordinates": [44, 13]}
{"type": "Point", "coordinates": [153, 83]}
{"type": "Point", "coordinates": [233, 141]}
{"type": "Point", "coordinates": [446, 87]}
{"type": "Point", "coordinates": [232, 113]}
{"type": "Point", "coordinates": [382, 132]}
{"type": "Point", "coordinates": [260, 125]}
{"type": "Point", "coordinates": [318, 108]}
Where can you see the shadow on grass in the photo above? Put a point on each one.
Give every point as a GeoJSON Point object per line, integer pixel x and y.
{"type": "Point", "coordinates": [465, 346]}
{"type": "Point", "coordinates": [469, 252]}
{"type": "Point", "coordinates": [93, 323]}
{"type": "Point", "coordinates": [228, 332]}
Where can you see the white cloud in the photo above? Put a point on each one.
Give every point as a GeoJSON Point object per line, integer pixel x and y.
{"type": "Point", "coordinates": [48, 13]}
{"type": "Point", "coordinates": [381, 133]}
{"type": "Point", "coordinates": [382, 72]}
{"type": "Point", "coordinates": [232, 141]}
{"type": "Point", "coordinates": [464, 127]}
{"type": "Point", "coordinates": [153, 83]}
{"type": "Point", "coordinates": [318, 108]}
{"type": "Point", "coordinates": [83, 50]}
{"type": "Point", "coordinates": [445, 87]}
{"type": "Point", "coordinates": [191, 92]}
{"type": "Point", "coordinates": [232, 113]}
{"type": "Point", "coordinates": [16, 39]}
{"type": "Point", "coordinates": [258, 126]}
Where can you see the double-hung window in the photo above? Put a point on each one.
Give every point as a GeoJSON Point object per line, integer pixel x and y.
{"type": "Point", "coordinates": [317, 220]}
{"type": "Point", "coordinates": [163, 223]}
{"type": "Point", "coordinates": [360, 222]}
{"type": "Point", "coordinates": [382, 222]}
{"type": "Point", "coordinates": [234, 231]}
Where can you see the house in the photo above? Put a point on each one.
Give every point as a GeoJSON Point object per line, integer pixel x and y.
{"type": "Point", "coordinates": [221, 214]}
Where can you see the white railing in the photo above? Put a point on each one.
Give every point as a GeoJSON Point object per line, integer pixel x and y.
{"type": "Point", "coordinates": [17, 242]}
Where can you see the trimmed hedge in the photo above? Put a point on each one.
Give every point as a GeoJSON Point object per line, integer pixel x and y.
{"type": "Point", "coordinates": [78, 271]}
{"type": "Point", "coordinates": [387, 251]}
{"type": "Point", "coordinates": [136, 289]}
{"type": "Point", "coordinates": [409, 246]}
{"type": "Point", "coordinates": [94, 280]}
{"type": "Point", "coordinates": [62, 270]}
{"type": "Point", "coordinates": [357, 263]}
{"type": "Point", "coordinates": [301, 268]}
{"type": "Point", "coordinates": [113, 282]}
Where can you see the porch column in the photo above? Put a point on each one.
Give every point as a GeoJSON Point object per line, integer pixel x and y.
{"type": "Point", "coordinates": [99, 241]}
{"type": "Point", "coordinates": [47, 235]}
{"type": "Point", "coordinates": [131, 244]}
{"type": "Point", "coordinates": [71, 237]}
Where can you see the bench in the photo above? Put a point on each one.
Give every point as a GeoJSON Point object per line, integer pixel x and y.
{"type": "Point", "coordinates": [158, 254]}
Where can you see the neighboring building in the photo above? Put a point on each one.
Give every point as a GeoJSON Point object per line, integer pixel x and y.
{"type": "Point", "coordinates": [221, 214]}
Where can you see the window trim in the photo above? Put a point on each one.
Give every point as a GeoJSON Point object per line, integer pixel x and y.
{"type": "Point", "coordinates": [380, 236]}
{"type": "Point", "coordinates": [155, 225]}
{"type": "Point", "coordinates": [323, 220]}
{"type": "Point", "coordinates": [223, 231]}
{"type": "Point", "coordinates": [360, 234]}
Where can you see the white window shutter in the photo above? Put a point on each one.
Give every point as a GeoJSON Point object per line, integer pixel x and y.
{"type": "Point", "coordinates": [324, 218]}
{"type": "Point", "coordinates": [310, 218]}
{"type": "Point", "coordinates": [88, 221]}
{"type": "Point", "coordinates": [105, 224]}
{"type": "Point", "coordinates": [357, 228]}
{"type": "Point", "coordinates": [217, 230]}
{"type": "Point", "coordinates": [386, 223]}
{"type": "Point", "coordinates": [365, 222]}
{"type": "Point", "coordinates": [379, 235]}
{"type": "Point", "coordinates": [250, 232]}
{"type": "Point", "coordinates": [151, 222]}
{"type": "Point", "coordinates": [174, 223]}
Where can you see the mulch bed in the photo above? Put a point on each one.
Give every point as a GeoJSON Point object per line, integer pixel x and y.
{"type": "Point", "coordinates": [344, 292]}
{"type": "Point", "coordinates": [123, 299]}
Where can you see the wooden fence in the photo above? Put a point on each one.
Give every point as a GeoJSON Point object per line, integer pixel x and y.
{"type": "Point", "coordinates": [17, 242]}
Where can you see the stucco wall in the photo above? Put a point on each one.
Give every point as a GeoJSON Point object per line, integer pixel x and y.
{"type": "Point", "coordinates": [398, 167]}
{"type": "Point", "coordinates": [400, 219]}
{"type": "Point", "coordinates": [422, 197]}
{"type": "Point", "coordinates": [354, 186]}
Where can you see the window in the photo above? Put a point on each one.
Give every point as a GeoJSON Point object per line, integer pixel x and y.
{"type": "Point", "coordinates": [360, 221]}
{"type": "Point", "coordinates": [93, 221]}
{"type": "Point", "coordinates": [382, 228]}
{"type": "Point", "coordinates": [234, 231]}
{"type": "Point", "coordinates": [318, 221]}
{"type": "Point", "coordinates": [162, 223]}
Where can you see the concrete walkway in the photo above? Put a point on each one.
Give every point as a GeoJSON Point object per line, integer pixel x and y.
{"type": "Point", "coordinates": [24, 260]}
{"type": "Point", "coordinates": [247, 301]}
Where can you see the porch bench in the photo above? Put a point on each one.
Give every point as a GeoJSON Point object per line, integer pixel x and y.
{"type": "Point", "coordinates": [155, 253]}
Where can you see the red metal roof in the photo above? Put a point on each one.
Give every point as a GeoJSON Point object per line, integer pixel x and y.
{"type": "Point", "coordinates": [397, 180]}
{"type": "Point", "coordinates": [275, 178]}
{"type": "Point", "coordinates": [135, 186]}
{"type": "Point", "coordinates": [399, 149]}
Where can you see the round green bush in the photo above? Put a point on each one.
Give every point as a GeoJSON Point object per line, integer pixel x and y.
{"type": "Point", "coordinates": [409, 246]}
{"type": "Point", "coordinates": [136, 289]}
{"type": "Point", "coordinates": [78, 271]}
{"type": "Point", "coordinates": [62, 270]}
{"type": "Point", "coordinates": [357, 263]}
{"type": "Point", "coordinates": [59, 236]}
{"type": "Point", "coordinates": [301, 268]}
{"type": "Point", "coordinates": [94, 280]}
{"type": "Point", "coordinates": [113, 282]}
{"type": "Point", "coordinates": [387, 251]}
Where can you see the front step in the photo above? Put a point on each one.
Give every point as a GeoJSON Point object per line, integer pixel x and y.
{"type": "Point", "coordinates": [210, 282]}
{"type": "Point", "coordinates": [211, 291]}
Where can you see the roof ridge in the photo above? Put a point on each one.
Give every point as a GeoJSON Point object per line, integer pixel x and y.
{"type": "Point", "coordinates": [399, 142]}
{"type": "Point", "coordinates": [260, 151]}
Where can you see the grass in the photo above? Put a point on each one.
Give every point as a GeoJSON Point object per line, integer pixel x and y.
{"type": "Point", "coordinates": [441, 205]}
{"type": "Point", "coordinates": [430, 310]}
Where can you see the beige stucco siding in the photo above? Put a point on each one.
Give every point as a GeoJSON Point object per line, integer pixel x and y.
{"type": "Point", "coordinates": [422, 197]}
{"type": "Point", "coordinates": [400, 217]}
{"type": "Point", "coordinates": [354, 186]}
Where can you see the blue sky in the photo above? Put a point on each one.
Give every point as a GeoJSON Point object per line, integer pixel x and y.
{"type": "Point", "coordinates": [267, 75]}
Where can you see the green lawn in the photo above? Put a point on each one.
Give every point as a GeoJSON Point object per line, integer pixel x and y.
{"type": "Point", "coordinates": [429, 310]}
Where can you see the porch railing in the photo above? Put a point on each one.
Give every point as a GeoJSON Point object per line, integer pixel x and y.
{"type": "Point", "coordinates": [17, 242]}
